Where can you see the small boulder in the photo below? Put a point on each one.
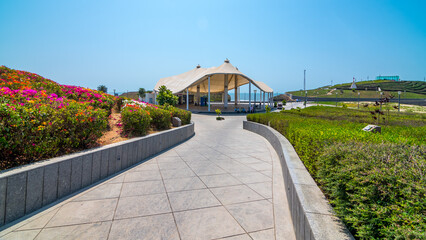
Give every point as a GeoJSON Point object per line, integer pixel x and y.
{"type": "Point", "coordinates": [176, 122]}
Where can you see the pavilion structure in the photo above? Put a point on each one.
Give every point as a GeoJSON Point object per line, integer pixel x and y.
{"type": "Point", "coordinates": [220, 79]}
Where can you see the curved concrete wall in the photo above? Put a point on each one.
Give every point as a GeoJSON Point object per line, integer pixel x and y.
{"type": "Point", "coordinates": [28, 188]}
{"type": "Point", "coordinates": [312, 215]}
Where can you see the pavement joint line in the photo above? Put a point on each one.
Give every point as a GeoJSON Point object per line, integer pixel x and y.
{"type": "Point", "coordinates": [235, 235]}
{"type": "Point", "coordinates": [74, 224]}
{"type": "Point", "coordinates": [115, 210]}
{"type": "Point", "coordinates": [170, 205]}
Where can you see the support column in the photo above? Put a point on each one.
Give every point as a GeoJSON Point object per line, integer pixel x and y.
{"type": "Point", "coordinates": [236, 90]}
{"type": "Point", "coordinates": [208, 98]}
{"type": "Point", "coordinates": [198, 95]}
{"type": "Point", "coordinates": [225, 92]}
{"type": "Point", "coordinates": [187, 100]}
{"type": "Point", "coordinates": [249, 96]}
{"type": "Point", "coordinates": [264, 106]}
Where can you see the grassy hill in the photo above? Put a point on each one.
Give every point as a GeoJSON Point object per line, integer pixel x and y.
{"type": "Point", "coordinates": [369, 89]}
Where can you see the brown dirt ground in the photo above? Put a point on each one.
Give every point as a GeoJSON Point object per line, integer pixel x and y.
{"type": "Point", "coordinates": [114, 134]}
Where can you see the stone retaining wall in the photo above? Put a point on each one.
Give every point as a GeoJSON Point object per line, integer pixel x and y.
{"type": "Point", "coordinates": [28, 188]}
{"type": "Point", "coordinates": [312, 215]}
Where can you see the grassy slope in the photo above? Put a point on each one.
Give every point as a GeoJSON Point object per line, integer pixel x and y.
{"type": "Point", "coordinates": [410, 89]}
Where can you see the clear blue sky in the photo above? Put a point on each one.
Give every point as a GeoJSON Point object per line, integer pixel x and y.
{"type": "Point", "coordinates": [130, 44]}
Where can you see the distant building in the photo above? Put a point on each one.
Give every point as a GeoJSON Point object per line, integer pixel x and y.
{"type": "Point", "coordinates": [393, 78]}
{"type": "Point", "coordinates": [149, 98]}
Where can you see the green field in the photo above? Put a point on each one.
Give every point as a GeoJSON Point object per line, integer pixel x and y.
{"type": "Point", "coordinates": [375, 182]}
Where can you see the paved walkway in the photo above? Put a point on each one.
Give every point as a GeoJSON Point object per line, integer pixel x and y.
{"type": "Point", "coordinates": [224, 183]}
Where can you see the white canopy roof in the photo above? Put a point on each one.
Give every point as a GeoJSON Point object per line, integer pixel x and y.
{"type": "Point", "coordinates": [199, 76]}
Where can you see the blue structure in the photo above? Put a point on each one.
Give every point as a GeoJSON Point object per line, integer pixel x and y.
{"type": "Point", "coordinates": [393, 78]}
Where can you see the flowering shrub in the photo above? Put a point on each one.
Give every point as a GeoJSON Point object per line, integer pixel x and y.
{"type": "Point", "coordinates": [160, 118]}
{"type": "Point", "coordinates": [29, 134]}
{"type": "Point", "coordinates": [41, 119]}
{"type": "Point", "coordinates": [135, 119]}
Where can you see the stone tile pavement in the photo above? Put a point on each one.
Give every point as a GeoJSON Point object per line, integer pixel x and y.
{"type": "Point", "coordinates": [224, 183]}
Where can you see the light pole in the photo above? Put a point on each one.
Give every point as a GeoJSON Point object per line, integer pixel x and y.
{"type": "Point", "coordinates": [358, 99]}
{"type": "Point", "coordinates": [336, 99]}
{"type": "Point", "coordinates": [306, 98]}
{"type": "Point", "coordinates": [399, 101]}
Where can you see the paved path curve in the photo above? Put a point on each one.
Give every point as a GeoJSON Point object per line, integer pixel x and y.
{"type": "Point", "coordinates": [224, 183]}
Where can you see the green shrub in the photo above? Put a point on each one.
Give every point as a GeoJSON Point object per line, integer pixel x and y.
{"type": "Point", "coordinates": [160, 118]}
{"type": "Point", "coordinates": [376, 182]}
{"type": "Point", "coordinates": [377, 189]}
{"type": "Point", "coordinates": [276, 104]}
{"type": "Point", "coordinates": [267, 109]}
{"type": "Point", "coordinates": [120, 102]}
{"type": "Point", "coordinates": [166, 96]}
{"type": "Point", "coordinates": [136, 120]}
{"type": "Point", "coordinates": [183, 115]}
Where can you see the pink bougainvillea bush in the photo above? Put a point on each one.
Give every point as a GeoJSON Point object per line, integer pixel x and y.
{"type": "Point", "coordinates": [40, 118]}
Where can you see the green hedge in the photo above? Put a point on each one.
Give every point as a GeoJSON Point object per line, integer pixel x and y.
{"type": "Point", "coordinates": [376, 182]}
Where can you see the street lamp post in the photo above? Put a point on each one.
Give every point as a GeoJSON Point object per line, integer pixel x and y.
{"type": "Point", "coordinates": [358, 99]}
{"type": "Point", "coordinates": [336, 99]}
{"type": "Point", "coordinates": [306, 98]}
{"type": "Point", "coordinates": [399, 101]}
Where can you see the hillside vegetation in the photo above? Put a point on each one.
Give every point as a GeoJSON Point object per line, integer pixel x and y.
{"type": "Point", "coordinates": [369, 89]}
{"type": "Point", "coordinates": [375, 182]}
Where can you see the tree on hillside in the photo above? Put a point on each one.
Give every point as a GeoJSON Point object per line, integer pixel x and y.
{"type": "Point", "coordinates": [102, 88]}
{"type": "Point", "coordinates": [142, 92]}
{"type": "Point", "coordinates": [166, 96]}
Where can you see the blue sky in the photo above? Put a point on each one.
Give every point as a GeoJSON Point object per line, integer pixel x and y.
{"type": "Point", "coordinates": [130, 44]}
